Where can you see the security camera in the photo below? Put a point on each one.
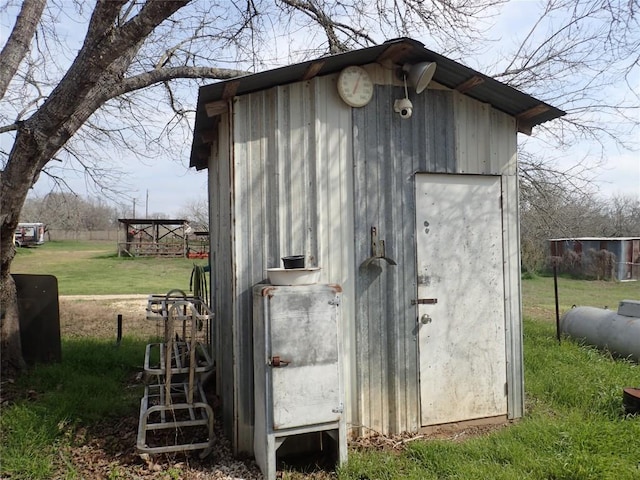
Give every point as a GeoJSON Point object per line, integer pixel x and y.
{"type": "Point", "coordinates": [404, 107]}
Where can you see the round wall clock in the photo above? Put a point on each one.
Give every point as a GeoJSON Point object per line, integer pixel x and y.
{"type": "Point", "coordinates": [355, 86]}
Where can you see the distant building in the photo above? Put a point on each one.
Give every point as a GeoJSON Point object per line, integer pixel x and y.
{"type": "Point", "coordinates": [153, 237]}
{"type": "Point", "coordinates": [625, 259]}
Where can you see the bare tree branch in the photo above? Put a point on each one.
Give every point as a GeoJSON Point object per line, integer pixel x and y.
{"type": "Point", "coordinates": [170, 73]}
{"type": "Point", "coordinates": [17, 45]}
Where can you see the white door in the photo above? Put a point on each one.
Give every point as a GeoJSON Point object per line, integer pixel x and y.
{"type": "Point", "coordinates": [460, 297]}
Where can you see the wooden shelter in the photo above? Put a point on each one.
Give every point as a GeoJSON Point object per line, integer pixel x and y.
{"type": "Point", "coordinates": [153, 237]}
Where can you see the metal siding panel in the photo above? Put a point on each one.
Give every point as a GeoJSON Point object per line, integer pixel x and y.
{"type": "Point", "coordinates": [503, 158]}
{"type": "Point", "coordinates": [248, 126]}
{"type": "Point", "coordinates": [513, 299]}
{"type": "Point", "coordinates": [256, 246]}
{"type": "Point", "coordinates": [439, 113]}
{"type": "Point", "coordinates": [280, 205]}
{"type": "Point", "coordinates": [221, 281]}
{"type": "Point", "coordinates": [461, 121]}
{"type": "Point", "coordinates": [293, 170]}
{"type": "Point", "coordinates": [473, 129]}
{"type": "Point", "coordinates": [388, 151]}
{"type": "Point", "coordinates": [371, 369]}
{"type": "Point", "coordinates": [331, 139]}
{"type": "Point", "coordinates": [503, 144]}
{"type": "Point", "coordinates": [427, 141]}
{"type": "Point", "coordinates": [485, 138]}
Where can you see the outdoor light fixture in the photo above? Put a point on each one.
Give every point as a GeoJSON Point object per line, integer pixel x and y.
{"type": "Point", "coordinates": [418, 76]}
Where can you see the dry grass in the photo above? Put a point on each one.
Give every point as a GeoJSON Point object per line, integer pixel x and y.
{"type": "Point", "coordinates": [96, 316]}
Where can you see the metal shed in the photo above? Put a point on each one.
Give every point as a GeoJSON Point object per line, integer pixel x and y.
{"type": "Point", "coordinates": [626, 251]}
{"type": "Point", "coordinates": [435, 338]}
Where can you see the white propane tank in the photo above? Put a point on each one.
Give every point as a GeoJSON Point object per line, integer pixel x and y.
{"type": "Point", "coordinates": [618, 332]}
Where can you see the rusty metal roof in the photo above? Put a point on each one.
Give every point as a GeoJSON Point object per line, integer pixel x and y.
{"type": "Point", "coordinates": [527, 110]}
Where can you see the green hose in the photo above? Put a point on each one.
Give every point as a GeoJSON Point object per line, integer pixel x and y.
{"type": "Point", "coordinates": [198, 283]}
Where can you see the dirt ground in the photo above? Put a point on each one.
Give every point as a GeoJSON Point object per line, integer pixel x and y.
{"type": "Point", "coordinates": [108, 451]}
{"type": "Point", "coordinates": [97, 316]}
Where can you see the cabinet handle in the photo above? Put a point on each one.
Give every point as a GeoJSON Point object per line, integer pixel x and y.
{"type": "Point", "coordinates": [277, 362]}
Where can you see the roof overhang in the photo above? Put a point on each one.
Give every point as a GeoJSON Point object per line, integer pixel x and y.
{"type": "Point", "coordinates": [213, 100]}
{"type": "Point", "coordinates": [594, 239]}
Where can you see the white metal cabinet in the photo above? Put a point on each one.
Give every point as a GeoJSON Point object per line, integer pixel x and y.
{"type": "Point", "coordinates": [297, 367]}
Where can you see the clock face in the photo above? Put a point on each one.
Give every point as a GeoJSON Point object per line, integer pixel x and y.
{"type": "Point", "coordinates": [355, 86]}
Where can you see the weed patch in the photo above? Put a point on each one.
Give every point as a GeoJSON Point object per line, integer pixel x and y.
{"type": "Point", "coordinates": [94, 382]}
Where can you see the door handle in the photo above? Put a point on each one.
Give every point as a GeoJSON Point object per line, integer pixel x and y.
{"type": "Point", "coordinates": [425, 319]}
{"type": "Point", "coordinates": [278, 362]}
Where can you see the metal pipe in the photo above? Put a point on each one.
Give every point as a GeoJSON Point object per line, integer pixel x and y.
{"type": "Point", "coordinates": [119, 335]}
{"type": "Point", "coordinates": [555, 289]}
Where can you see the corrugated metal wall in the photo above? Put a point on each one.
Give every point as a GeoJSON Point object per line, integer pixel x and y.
{"type": "Point", "coordinates": [222, 267]}
{"type": "Point", "coordinates": [291, 194]}
{"type": "Point", "coordinates": [308, 175]}
{"type": "Point", "coordinates": [448, 133]}
{"type": "Point", "coordinates": [388, 151]}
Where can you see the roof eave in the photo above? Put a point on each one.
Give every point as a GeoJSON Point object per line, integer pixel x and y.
{"type": "Point", "coordinates": [214, 99]}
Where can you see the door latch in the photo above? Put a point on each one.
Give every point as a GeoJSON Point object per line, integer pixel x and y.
{"type": "Point", "coordinates": [278, 362]}
{"type": "Point", "coordinates": [424, 301]}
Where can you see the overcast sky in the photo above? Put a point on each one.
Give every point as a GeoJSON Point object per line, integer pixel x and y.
{"type": "Point", "coordinates": [169, 185]}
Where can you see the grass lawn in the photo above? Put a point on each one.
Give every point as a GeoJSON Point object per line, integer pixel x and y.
{"type": "Point", "coordinates": [94, 268]}
{"type": "Point", "coordinates": [574, 427]}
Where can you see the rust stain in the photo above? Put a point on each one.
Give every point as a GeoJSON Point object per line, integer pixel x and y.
{"type": "Point", "coordinates": [268, 291]}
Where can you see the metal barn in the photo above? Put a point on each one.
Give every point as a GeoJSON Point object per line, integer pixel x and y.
{"type": "Point", "coordinates": [626, 251]}
{"type": "Point", "coordinates": [415, 218]}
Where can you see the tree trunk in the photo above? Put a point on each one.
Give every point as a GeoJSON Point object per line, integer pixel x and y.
{"type": "Point", "coordinates": [11, 346]}
{"type": "Point", "coordinates": [96, 75]}
{"type": "Point", "coordinates": [15, 181]}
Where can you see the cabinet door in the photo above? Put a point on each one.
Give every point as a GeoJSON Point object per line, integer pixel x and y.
{"type": "Point", "coordinates": [302, 334]}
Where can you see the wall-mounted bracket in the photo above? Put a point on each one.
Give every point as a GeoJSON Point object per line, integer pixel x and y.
{"type": "Point", "coordinates": [377, 250]}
